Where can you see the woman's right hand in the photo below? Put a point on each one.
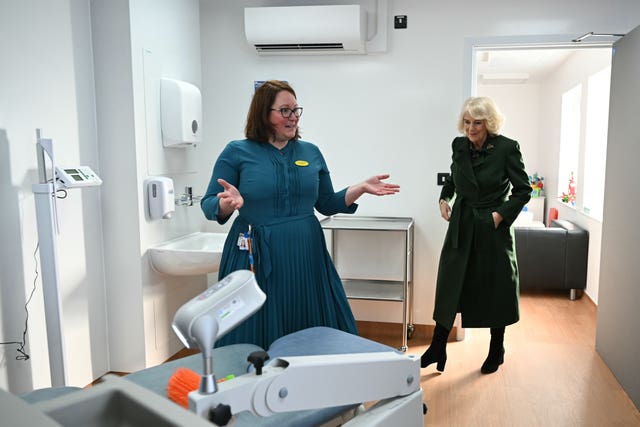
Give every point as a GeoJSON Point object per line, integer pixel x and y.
{"type": "Point", "coordinates": [230, 199]}
{"type": "Point", "coordinates": [445, 210]}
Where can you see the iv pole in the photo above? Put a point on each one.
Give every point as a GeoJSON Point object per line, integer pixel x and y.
{"type": "Point", "coordinates": [46, 215]}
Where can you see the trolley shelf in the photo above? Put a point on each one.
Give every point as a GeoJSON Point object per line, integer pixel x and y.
{"type": "Point", "coordinates": [375, 223]}
{"type": "Point", "coordinates": [379, 290]}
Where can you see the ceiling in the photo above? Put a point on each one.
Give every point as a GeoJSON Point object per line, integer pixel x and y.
{"type": "Point", "coordinates": [518, 65]}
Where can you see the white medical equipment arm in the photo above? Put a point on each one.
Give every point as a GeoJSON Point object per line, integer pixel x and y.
{"type": "Point", "coordinates": [313, 382]}
{"type": "Point", "coordinates": [287, 383]}
{"type": "Point", "coordinates": [213, 313]}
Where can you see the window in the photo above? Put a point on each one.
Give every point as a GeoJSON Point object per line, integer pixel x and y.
{"type": "Point", "coordinates": [583, 149]}
{"type": "Point", "coordinates": [569, 143]}
{"type": "Point", "coordinates": [595, 144]}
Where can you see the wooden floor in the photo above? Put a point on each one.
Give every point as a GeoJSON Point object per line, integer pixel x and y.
{"type": "Point", "coordinates": [552, 375]}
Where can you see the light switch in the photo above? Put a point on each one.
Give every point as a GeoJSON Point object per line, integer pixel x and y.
{"type": "Point", "coordinates": [442, 176]}
{"type": "Point", "coordinates": [400, 21]}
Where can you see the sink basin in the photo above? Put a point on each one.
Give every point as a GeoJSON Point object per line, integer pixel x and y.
{"type": "Point", "coordinates": [114, 402]}
{"type": "Point", "coordinates": [190, 255]}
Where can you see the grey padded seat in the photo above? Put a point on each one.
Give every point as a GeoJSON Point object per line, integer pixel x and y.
{"type": "Point", "coordinates": [555, 257]}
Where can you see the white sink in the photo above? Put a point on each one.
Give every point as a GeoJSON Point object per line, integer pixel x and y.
{"type": "Point", "coordinates": [190, 255]}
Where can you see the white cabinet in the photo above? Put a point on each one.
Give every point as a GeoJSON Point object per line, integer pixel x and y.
{"type": "Point", "coordinates": [536, 207]}
{"type": "Point", "coordinates": [364, 265]}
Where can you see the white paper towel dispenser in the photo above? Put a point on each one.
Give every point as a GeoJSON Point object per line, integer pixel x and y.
{"type": "Point", "coordinates": [181, 112]}
{"type": "Point", "coordinates": [160, 195]}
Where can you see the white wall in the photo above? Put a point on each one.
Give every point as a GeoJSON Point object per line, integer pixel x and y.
{"type": "Point", "coordinates": [114, 111]}
{"type": "Point", "coordinates": [46, 81]}
{"type": "Point", "coordinates": [170, 31]}
{"type": "Point", "coordinates": [617, 337]}
{"type": "Point", "coordinates": [136, 43]}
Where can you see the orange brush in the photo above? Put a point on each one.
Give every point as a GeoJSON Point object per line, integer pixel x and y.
{"type": "Point", "coordinates": [182, 382]}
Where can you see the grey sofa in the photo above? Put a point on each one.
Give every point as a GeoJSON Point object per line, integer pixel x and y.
{"type": "Point", "coordinates": [553, 257]}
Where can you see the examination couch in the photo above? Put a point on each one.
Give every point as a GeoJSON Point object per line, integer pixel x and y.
{"type": "Point", "coordinates": [553, 257]}
{"type": "Point", "coordinates": [232, 360]}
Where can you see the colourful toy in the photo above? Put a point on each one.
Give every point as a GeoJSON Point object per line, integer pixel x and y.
{"type": "Point", "coordinates": [571, 196]}
{"type": "Point", "coordinates": [537, 185]}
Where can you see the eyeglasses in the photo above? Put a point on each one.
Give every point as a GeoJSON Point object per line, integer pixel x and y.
{"type": "Point", "coordinates": [286, 112]}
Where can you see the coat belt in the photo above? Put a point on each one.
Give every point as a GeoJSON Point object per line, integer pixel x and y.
{"type": "Point", "coordinates": [456, 218]}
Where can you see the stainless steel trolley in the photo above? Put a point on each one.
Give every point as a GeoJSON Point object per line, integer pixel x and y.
{"type": "Point", "coordinates": [377, 289]}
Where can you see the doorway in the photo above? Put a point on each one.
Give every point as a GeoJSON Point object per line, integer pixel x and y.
{"type": "Point", "coordinates": [528, 82]}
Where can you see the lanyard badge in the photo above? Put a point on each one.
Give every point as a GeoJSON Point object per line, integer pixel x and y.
{"type": "Point", "coordinates": [245, 244]}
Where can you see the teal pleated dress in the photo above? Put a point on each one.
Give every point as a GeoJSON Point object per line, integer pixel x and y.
{"type": "Point", "coordinates": [281, 188]}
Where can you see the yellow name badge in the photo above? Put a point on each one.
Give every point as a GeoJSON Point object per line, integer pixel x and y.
{"type": "Point", "coordinates": [301, 163]}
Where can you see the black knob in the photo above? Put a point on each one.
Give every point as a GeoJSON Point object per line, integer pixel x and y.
{"type": "Point", "coordinates": [257, 359]}
{"type": "Point", "coordinates": [220, 415]}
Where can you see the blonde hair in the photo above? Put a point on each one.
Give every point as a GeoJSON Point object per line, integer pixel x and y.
{"type": "Point", "coordinates": [482, 108]}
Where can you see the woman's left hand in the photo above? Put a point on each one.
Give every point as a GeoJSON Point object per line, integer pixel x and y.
{"type": "Point", "coordinates": [373, 185]}
{"type": "Point", "coordinates": [377, 187]}
{"type": "Point", "coordinates": [497, 219]}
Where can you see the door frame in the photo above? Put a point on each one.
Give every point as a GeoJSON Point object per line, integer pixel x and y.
{"type": "Point", "coordinates": [470, 69]}
{"type": "Point", "coordinates": [561, 41]}
{"type": "Point", "coordinates": [473, 46]}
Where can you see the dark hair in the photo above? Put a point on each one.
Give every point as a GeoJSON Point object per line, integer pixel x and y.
{"type": "Point", "coordinates": [258, 127]}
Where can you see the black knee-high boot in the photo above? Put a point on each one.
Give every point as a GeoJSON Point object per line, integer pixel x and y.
{"type": "Point", "coordinates": [496, 352]}
{"type": "Point", "coordinates": [437, 351]}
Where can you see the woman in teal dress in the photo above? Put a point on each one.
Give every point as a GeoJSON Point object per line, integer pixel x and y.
{"type": "Point", "coordinates": [275, 180]}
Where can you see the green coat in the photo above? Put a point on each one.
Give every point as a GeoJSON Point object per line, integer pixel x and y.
{"type": "Point", "coordinates": [478, 271]}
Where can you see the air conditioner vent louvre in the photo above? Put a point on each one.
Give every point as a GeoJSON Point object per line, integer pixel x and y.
{"type": "Point", "coordinates": [299, 46]}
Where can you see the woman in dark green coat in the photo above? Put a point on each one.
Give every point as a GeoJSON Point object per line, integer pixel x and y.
{"type": "Point", "coordinates": [478, 272]}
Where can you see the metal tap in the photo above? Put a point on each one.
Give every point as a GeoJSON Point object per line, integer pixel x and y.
{"type": "Point", "coordinates": [187, 198]}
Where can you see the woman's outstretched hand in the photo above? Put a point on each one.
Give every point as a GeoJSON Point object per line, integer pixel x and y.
{"type": "Point", "coordinates": [230, 199]}
{"type": "Point", "coordinates": [373, 185]}
{"type": "Point", "coordinates": [377, 187]}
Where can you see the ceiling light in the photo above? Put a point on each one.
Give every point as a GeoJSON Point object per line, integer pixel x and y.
{"type": "Point", "coordinates": [505, 76]}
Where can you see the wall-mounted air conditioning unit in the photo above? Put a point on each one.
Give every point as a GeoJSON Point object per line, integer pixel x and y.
{"type": "Point", "coordinates": [338, 29]}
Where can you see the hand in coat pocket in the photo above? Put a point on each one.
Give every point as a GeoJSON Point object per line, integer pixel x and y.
{"type": "Point", "coordinates": [497, 219]}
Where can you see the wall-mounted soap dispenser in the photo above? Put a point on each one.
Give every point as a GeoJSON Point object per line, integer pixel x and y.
{"type": "Point", "coordinates": [160, 197]}
{"type": "Point", "coordinates": [181, 111]}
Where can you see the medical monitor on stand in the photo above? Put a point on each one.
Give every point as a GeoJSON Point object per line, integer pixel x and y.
{"type": "Point", "coordinates": [45, 195]}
